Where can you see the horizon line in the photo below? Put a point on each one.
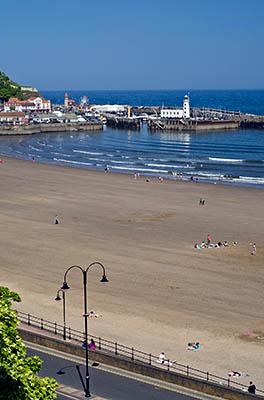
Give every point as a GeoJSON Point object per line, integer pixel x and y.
{"type": "Point", "coordinates": [146, 90]}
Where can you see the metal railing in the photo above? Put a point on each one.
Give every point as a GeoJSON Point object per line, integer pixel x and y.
{"type": "Point", "coordinates": [129, 352]}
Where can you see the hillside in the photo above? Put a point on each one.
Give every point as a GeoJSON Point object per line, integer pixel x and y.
{"type": "Point", "coordinates": [9, 88]}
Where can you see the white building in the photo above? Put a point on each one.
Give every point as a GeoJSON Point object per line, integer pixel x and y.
{"type": "Point", "coordinates": [108, 108]}
{"type": "Point", "coordinates": [33, 104]}
{"type": "Point", "coordinates": [177, 112]}
{"type": "Point", "coordinates": [171, 113]}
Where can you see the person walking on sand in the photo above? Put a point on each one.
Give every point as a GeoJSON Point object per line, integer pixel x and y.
{"type": "Point", "coordinates": [56, 220]}
{"type": "Point", "coordinates": [252, 388]}
{"type": "Point", "coordinates": [208, 239]}
{"type": "Point", "coordinates": [254, 249]}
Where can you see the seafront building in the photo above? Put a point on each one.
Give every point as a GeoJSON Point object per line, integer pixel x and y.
{"type": "Point", "coordinates": [177, 112]}
{"type": "Point", "coordinates": [12, 117]}
{"type": "Point", "coordinates": [33, 104]}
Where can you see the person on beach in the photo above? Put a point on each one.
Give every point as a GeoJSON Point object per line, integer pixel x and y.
{"type": "Point", "coordinates": [254, 249]}
{"type": "Point", "coordinates": [252, 388]}
{"type": "Point", "coordinates": [193, 345]}
{"type": "Point", "coordinates": [162, 358]}
{"type": "Point", "coordinates": [208, 239]}
{"type": "Point", "coordinates": [91, 345]}
{"type": "Point", "coordinates": [56, 220]}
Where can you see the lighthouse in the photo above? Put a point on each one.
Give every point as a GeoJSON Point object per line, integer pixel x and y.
{"type": "Point", "coordinates": [186, 107]}
{"type": "Point", "coordinates": [66, 100]}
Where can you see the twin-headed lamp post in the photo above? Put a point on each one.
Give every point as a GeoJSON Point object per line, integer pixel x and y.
{"type": "Point", "coordinates": [65, 287]}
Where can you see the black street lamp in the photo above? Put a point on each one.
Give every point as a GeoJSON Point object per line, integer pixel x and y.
{"type": "Point", "coordinates": [64, 287]}
{"type": "Point", "coordinates": [58, 298]}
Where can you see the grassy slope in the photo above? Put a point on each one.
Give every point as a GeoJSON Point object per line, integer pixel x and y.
{"type": "Point", "coordinates": [9, 88]}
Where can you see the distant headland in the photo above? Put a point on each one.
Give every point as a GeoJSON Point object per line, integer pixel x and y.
{"type": "Point", "coordinates": [9, 88]}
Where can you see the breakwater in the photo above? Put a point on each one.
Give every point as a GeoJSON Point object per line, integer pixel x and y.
{"type": "Point", "coordinates": [122, 122]}
{"type": "Point", "coordinates": [190, 125]}
{"type": "Point", "coordinates": [49, 128]}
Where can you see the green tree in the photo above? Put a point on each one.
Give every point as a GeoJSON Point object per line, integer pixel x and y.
{"type": "Point", "coordinates": [19, 375]}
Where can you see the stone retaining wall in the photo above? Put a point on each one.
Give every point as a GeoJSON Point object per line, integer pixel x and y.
{"type": "Point", "coordinates": [47, 128]}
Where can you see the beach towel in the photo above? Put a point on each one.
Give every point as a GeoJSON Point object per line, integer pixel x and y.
{"type": "Point", "coordinates": [194, 348]}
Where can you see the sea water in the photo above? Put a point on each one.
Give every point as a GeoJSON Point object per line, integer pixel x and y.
{"type": "Point", "coordinates": [231, 157]}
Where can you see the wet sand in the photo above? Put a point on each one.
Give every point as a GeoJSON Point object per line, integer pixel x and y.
{"type": "Point", "coordinates": [162, 293]}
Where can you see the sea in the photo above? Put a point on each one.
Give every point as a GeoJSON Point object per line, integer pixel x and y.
{"type": "Point", "coordinates": [233, 157]}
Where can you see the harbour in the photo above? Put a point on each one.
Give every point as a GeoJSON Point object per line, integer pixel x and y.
{"type": "Point", "coordinates": [233, 156]}
{"type": "Point", "coordinates": [223, 157]}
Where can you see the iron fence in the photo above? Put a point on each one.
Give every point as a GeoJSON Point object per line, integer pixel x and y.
{"type": "Point", "coordinates": [129, 352]}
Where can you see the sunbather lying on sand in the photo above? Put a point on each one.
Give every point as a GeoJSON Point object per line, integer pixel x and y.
{"type": "Point", "coordinates": [236, 374]}
{"type": "Point", "coordinates": [193, 346]}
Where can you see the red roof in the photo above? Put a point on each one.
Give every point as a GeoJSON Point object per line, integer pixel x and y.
{"type": "Point", "coordinates": [14, 99]}
{"type": "Point", "coordinates": [32, 98]}
{"type": "Point", "coordinates": [66, 95]}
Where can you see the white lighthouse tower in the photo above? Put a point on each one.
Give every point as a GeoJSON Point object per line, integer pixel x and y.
{"type": "Point", "coordinates": [186, 107]}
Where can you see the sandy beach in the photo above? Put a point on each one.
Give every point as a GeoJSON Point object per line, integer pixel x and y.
{"type": "Point", "coordinates": [162, 293]}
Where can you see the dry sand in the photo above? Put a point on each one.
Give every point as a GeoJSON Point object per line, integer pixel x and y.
{"type": "Point", "coordinates": [162, 293]}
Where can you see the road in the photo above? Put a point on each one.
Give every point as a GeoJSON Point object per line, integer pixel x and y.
{"type": "Point", "coordinates": [105, 382]}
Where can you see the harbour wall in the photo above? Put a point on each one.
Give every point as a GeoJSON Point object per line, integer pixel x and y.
{"type": "Point", "coordinates": [48, 128]}
{"type": "Point", "coordinates": [122, 122]}
{"type": "Point", "coordinates": [181, 125]}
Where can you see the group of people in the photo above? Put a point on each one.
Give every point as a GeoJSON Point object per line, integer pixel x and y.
{"type": "Point", "coordinates": [196, 345]}
{"type": "Point", "coordinates": [209, 244]}
{"type": "Point", "coordinates": [191, 346]}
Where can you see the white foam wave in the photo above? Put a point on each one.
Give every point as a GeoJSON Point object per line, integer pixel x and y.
{"type": "Point", "coordinates": [34, 148]}
{"type": "Point", "coordinates": [140, 169]}
{"type": "Point", "coordinates": [71, 162]}
{"type": "Point", "coordinates": [225, 159]}
{"type": "Point", "coordinates": [164, 165]}
{"type": "Point", "coordinates": [249, 179]}
{"type": "Point", "coordinates": [122, 162]}
{"type": "Point", "coordinates": [87, 152]}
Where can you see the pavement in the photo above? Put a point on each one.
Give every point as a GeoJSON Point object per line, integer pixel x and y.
{"type": "Point", "coordinates": [107, 383]}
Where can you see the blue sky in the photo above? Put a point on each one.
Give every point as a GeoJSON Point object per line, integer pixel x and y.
{"type": "Point", "coordinates": [139, 44]}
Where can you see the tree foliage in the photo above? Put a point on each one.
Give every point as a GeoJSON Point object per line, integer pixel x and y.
{"type": "Point", "coordinates": [18, 375]}
{"type": "Point", "coordinates": [9, 89]}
